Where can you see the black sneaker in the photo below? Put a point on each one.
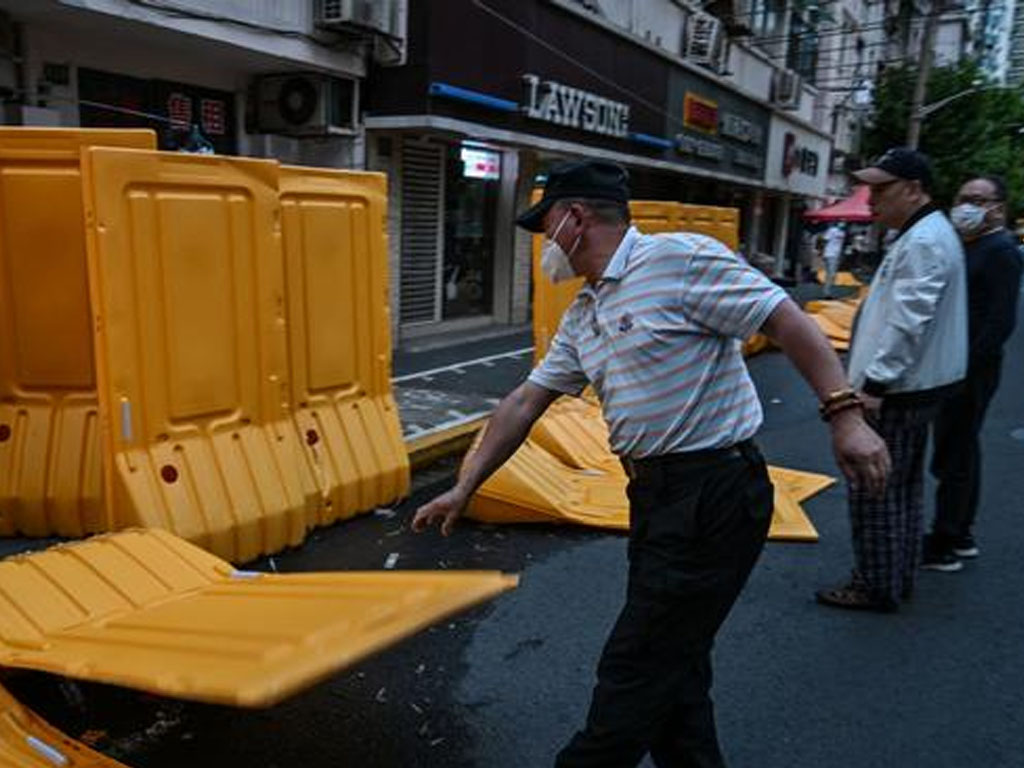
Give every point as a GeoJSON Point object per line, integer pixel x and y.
{"type": "Point", "coordinates": [965, 546]}
{"type": "Point", "coordinates": [936, 556]}
{"type": "Point", "coordinates": [946, 562]}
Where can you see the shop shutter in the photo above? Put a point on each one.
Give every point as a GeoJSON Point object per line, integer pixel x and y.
{"type": "Point", "coordinates": [422, 233]}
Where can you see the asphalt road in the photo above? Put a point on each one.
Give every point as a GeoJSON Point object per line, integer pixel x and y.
{"type": "Point", "coordinates": [938, 685]}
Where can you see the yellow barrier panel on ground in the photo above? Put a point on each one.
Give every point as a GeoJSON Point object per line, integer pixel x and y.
{"type": "Point", "coordinates": [187, 286]}
{"type": "Point", "coordinates": [28, 741]}
{"type": "Point", "coordinates": [565, 473]}
{"type": "Point", "coordinates": [333, 225]}
{"type": "Point", "coordinates": [835, 318]}
{"type": "Point", "coordinates": [146, 610]}
{"type": "Point", "coordinates": [50, 476]}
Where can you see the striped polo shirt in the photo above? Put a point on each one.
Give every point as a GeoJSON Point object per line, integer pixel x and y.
{"type": "Point", "coordinates": [659, 338]}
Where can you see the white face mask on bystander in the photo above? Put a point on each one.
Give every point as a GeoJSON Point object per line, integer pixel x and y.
{"type": "Point", "coordinates": [969, 219]}
{"type": "Point", "coordinates": [554, 261]}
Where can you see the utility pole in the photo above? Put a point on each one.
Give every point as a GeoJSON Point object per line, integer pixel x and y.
{"type": "Point", "coordinates": [931, 24]}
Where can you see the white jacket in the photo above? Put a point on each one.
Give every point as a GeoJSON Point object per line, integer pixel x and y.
{"type": "Point", "coordinates": [911, 335]}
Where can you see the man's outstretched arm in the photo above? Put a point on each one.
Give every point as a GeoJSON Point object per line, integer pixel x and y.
{"type": "Point", "coordinates": [859, 451]}
{"type": "Point", "coordinates": [505, 432]}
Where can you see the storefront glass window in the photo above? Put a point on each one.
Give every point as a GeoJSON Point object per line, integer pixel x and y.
{"type": "Point", "coordinates": [472, 180]}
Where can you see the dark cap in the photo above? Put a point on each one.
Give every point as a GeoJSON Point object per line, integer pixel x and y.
{"type": "Point", "coordinates": [897, 163]}
{"type": "Point", "coordinates": [597, 179]}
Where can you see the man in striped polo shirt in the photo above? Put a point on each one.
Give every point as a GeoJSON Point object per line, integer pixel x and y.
{"type": "Point", "coordinates": [657, 331]}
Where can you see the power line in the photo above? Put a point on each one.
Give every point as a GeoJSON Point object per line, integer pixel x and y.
{"type": "Point", "coordinates": [657, 109]}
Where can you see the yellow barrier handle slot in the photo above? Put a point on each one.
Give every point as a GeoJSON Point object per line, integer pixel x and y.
{"type": "Point", "coordinates": [246, 575]}
{"type": "Point", "coordinates": [51, 754]}
{"type": "Point", "coordinates": [126, 420]}
{"type": "Point", "coordinates": [127, 432]}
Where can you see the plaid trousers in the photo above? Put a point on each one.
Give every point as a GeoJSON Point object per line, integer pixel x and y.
{"type": "Point", "coordinates": [886, 531]}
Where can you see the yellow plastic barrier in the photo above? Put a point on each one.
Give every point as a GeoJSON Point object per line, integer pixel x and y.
{"type": "Point", "coordinates": [237, 407]}
{"type": "Point", "coordinates": [146, 610]}
{"type": "Point", "coordinates": [565, 473]}
{"type": "Point", "coordinates": [835, 318]}
{"type": "Point", "coordinates": [333, 225]}
{"type": "Point", "coordinates": [28, 741]}
{"type": "Point", "coordinates": [187, 287]}
{"type": "Point", "coordinates": [50, 476]}
{"type": "Point", "coordinates": [718, 222]}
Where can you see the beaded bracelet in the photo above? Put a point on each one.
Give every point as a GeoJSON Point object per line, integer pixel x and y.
{"type": "Point", "coordinates": [834, 398]}
{"type": "Point", "coordinates": [841, 405]}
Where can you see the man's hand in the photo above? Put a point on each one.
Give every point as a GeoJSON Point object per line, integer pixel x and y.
{"type": "Point", "coordinates": [505, 432]}
{"type": "Point", "coordinates": [860, 452]}
{"type": "Point", "coordinates": [445, 508]}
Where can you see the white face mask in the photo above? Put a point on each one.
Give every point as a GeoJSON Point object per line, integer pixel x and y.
{"type": "Point", "coordinates": [969, 219]}
{"type": "Point", "coordinates": [554, 261]}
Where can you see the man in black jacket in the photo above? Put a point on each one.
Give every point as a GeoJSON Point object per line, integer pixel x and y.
{"type": "Point", "coordinates": [993, 288]}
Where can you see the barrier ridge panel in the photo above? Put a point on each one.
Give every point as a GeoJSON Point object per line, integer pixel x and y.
{"type": "Point", "coordinates": [50, 475]}
{"type": "Point", "coordinates": [188, 289]}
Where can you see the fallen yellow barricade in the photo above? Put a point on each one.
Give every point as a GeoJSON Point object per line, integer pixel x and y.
{"type": "Point", "coordinates": [835, 318]}
{"type": "Point", "coordinates": [28, 741]}
{"type": "Point", "coordinates": [147, 610]}
{"type": "Point", "coordinates": [565, 473]}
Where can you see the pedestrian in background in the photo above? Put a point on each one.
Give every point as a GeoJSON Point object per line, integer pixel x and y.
{"type": "Point", "coordinates": [993, 290]}
{"type": "Point", "coordinates": [833, 254]}
{"type": "Point", "coordinates": [655, 330]}
{"type": "Point", "coordinates": [909, 350]}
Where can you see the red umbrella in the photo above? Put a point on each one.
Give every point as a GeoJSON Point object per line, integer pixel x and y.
{"type": "Point", "coordinates": [853, 208]}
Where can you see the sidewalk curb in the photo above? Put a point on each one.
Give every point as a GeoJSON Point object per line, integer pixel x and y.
{"type": "Point", "coordinates": [433, 445]}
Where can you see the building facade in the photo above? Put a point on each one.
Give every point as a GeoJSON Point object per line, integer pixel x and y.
{"type": "Point", "coordinates": [280, 78]}
{"type": "Point", "coordinates": [494, 92]}
{"type": "Point", "coordinates": [465, 104]}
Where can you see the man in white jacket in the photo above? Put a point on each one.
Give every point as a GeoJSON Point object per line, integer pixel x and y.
{"type": "Point", "coordinates": [908, 353]}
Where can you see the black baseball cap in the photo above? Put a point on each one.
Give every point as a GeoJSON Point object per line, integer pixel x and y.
{"type": "Point", "coordinates": [596, 179]}
{"type": "Point", "coordinates": [897, 163]}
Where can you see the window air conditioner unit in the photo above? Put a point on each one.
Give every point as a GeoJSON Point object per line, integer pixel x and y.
{"type": "Point", "coordinates": [306, 104]}
{"type": "Point", "coordinates": [703, 39]}
{"type": "Point", "coordinates": [365, 15]}
{"type": "Point", "coordinates": [786, 88]}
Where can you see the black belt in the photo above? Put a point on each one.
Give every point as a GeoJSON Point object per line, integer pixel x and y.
{"type": "Point", "coordinates": [650, 466]}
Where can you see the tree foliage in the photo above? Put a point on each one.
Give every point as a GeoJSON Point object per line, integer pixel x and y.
{"type": "Point", "coordinates": [977, 133]}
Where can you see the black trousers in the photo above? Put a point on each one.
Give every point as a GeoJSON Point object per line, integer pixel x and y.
{"type": "Point", "coordinates": [956, 461]}
{"type": "Point", "coordinates": [698, 523]}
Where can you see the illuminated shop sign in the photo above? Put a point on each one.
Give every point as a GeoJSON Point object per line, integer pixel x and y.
{"type": "Point", "coordinates": [561, 104]}
{"type": "Point", "coordinates": [798, 158]}
{"type": "Point", "coordinates": [480, 163]}
{"type": "Point", "coordinates": [700, 114]}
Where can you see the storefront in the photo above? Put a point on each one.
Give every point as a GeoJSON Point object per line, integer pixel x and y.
{"type": "Point", "coordinates": [798, 163]}
{"type": "Point", "coordinates": [183, 116]}
{"type": "Point", "coordinates": [482, 110]}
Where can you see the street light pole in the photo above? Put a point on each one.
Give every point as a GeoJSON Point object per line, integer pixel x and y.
{"type": "Point", "coordinates": [931, 24]}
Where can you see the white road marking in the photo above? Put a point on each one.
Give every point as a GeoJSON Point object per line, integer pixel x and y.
{"type": "Point", "coordinates": [457, 367]}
